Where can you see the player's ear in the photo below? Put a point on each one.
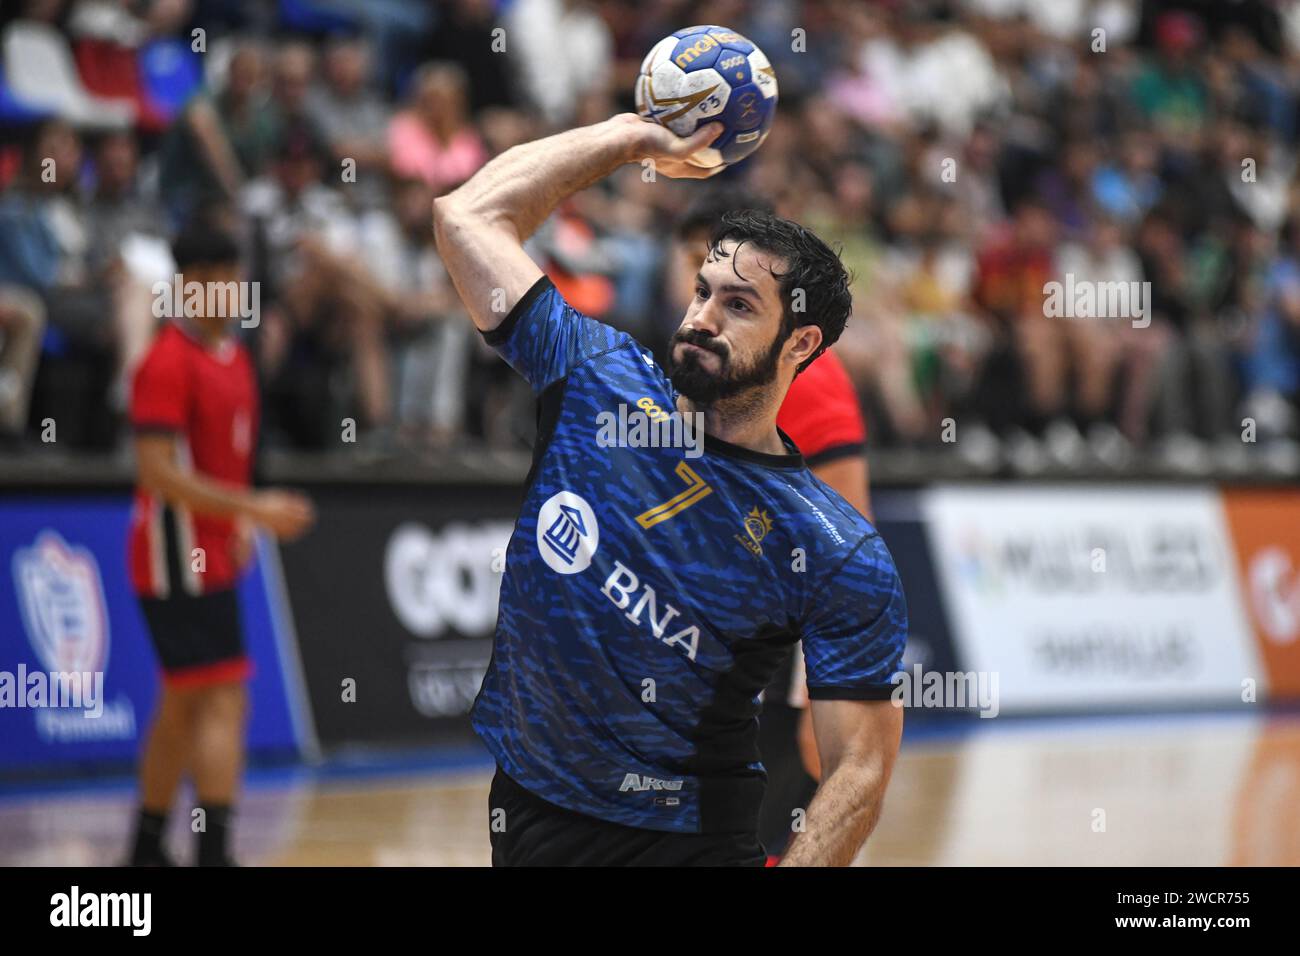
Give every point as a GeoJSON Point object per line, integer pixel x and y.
{"type": "Point", "coordinates": [804, 341]}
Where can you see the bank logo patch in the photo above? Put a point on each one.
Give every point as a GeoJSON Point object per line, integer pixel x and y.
{"type": "Point", "coordinates": [567, 533]}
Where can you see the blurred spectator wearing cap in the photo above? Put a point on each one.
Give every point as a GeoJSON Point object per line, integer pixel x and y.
{"type": "Point", "coordinates": [1169, 90]}
{"type": "Point", "coordinates": [432, 139]}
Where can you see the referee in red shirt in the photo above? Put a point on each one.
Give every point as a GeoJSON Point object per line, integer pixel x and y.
{"type": "Point", "coordinates": [194, 409]}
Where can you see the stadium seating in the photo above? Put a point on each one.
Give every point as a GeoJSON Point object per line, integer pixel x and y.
{"type": "Point", "coordinates": [41, 74]}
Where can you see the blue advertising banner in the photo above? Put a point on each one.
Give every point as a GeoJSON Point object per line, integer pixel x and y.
{"type": "Point", "coordinates": [77, 673]}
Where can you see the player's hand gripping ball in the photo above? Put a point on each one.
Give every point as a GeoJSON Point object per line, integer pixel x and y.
{"type": "Point", "coordinates": [704, 75]}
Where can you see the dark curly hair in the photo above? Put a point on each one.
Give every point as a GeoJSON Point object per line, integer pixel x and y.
{"type": "Point", "coordinates": [812, 266]}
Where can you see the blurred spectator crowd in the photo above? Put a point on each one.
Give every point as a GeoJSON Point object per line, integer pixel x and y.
{"type": "Point", "coordinates": [961, 154]}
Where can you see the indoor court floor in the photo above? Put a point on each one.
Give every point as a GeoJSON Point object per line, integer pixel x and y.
{"type": "Point", "coordinates": [1173, 790]}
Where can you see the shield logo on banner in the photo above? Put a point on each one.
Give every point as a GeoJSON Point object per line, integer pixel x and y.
{"type": "Point", "coordinates": [63, 606]}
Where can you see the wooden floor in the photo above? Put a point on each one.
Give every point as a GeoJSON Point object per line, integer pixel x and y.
{"type": "Point", "coordinates": [1167, 791]}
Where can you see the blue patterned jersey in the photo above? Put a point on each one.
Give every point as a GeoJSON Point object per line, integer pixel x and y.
{"type": "Point", "coordinates": [650, 592]}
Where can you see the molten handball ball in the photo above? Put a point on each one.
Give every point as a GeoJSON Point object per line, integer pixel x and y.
{"type": "Point", "coordinates": [704, 75]}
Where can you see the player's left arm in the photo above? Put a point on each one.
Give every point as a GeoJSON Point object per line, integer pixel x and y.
{"type": "Point", "coordinates": [850, 476]}
{"type": "Point", "coordinates": [857, 741]}
{"type": "Point", "coordinates": [853, 642]}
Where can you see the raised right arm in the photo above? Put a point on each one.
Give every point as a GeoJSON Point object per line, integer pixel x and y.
{"type": "Point", "coordinates": [482, 226]}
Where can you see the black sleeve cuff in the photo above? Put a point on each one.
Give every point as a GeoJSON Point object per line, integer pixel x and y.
{"type": "Point", "coordinates": [155, 428]}
{"type": "Point", "coordinates": [498, 336]}
{"type": "Point", "coordinates": [858, 692]}
{"type": "Point", "coordinates": [835, 453]}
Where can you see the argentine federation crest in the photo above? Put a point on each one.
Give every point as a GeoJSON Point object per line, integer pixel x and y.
{"type": "Point", "coordinates": [61, 597]}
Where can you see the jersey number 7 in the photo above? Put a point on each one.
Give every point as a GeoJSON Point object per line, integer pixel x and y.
{"type": "Point", "coordinates": [696, 488]}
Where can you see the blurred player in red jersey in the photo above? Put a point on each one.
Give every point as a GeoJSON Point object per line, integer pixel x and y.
{"type": "Point", "coordinates": [822, 415]}
{"type": "Point", "coordinates": [194, 410]}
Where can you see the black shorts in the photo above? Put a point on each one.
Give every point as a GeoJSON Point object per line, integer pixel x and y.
{"type": "Point", "coordinates": [528, 831]}
{"type": "Point", "coordinates": [198, 638]}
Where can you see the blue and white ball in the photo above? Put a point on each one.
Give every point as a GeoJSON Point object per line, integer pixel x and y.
{"type": "Point", "coordinates": [709, 74]}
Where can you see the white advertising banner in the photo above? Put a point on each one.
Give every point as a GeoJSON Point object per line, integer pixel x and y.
{"type": "Point", "coordinates": [1080, 596]}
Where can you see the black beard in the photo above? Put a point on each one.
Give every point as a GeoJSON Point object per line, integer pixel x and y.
{"type": "Point", "coordinates": [704, 388]}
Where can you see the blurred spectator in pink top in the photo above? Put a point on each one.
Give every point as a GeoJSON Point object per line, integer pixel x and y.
{"type": "Point", "coordinates": [432, 138]}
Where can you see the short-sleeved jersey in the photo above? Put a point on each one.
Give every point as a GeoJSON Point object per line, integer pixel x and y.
{"type": "Point", "coordinates": [650, 591]}
{"type": "Point", "coordinates": [822, 416]}
{"type": "Point", "coordinates": [821, 412]}
{"type": "Point", "coordinates": [207, 398]}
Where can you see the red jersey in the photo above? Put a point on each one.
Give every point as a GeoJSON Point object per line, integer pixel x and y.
{"type": "Point", "coordinates": [821, 412]}
{"type": "Point", "coordinates": [207, 398]}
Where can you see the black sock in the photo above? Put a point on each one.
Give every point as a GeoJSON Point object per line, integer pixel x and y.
{"type": "Point", "coordinates": [212, 840]}
{"type": "Point", "coordinates": [149, 828]}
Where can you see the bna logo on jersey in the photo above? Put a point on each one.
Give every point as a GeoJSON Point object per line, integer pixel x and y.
{"type": "Point", "coordinates": [567, 533]}
{"type": "Point", "coordinates": [62, 602]}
